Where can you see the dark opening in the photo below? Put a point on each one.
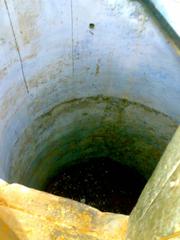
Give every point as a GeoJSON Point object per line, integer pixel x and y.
{"type": "Point", "coordinates": [91, 25]}
{"type": "Point", "coordinates": [102, 183]}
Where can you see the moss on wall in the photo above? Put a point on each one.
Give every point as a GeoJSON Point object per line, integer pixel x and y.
{"type": "Point", "coordinates": [91, 127]}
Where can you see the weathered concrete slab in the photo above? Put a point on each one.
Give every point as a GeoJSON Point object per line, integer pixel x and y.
{"type": "Point", "coordinates": [157, 213]}
{"type": "Point", "coordinates": [30, 214]}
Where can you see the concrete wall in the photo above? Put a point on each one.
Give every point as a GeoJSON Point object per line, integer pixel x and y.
{"type": "Point", "coordinates": [50, 55]}
{"type": "Point", "coordinates": [82, 129]}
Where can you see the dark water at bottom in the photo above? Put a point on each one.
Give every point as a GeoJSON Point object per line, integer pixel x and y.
{"type": "Point", "coordinates": [101, 183]}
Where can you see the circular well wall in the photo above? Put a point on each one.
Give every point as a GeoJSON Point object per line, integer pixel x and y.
{"type": "Point", "coordinates": [70, 93]}
{"type": "Point", "coordinates": [93, 128]}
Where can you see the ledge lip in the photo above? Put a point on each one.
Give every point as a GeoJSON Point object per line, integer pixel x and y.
{"type": "Point", "coordinates": [169, 10]}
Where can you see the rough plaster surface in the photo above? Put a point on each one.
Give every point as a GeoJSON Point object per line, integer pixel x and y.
{"type": "Point", "coordinates": [28, 214]}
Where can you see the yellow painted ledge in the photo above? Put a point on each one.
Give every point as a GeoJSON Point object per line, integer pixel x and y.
{"type": "Point", "coordinates": [26, 214]}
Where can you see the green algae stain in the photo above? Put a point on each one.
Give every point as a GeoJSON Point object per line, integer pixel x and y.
{"type": "Point", "coordinates": [128, 132]}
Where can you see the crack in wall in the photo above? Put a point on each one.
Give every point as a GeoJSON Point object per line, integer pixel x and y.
{"type": "Point", "coordinates": [17, 47]}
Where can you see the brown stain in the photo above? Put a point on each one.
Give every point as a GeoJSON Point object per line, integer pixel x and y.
{"type": "Point", "coordinates": [50, 71]}
{"type": "Point", "coordinates": [31, 55]}
{"type": "Point", "coordinates": [28, 19]}
{"type": "Point", "coordinates": [3, 72]}
{"type": "Point", "coordinates": [10, 99]}
{"type": "Point", "coordinates": [97, 69]}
